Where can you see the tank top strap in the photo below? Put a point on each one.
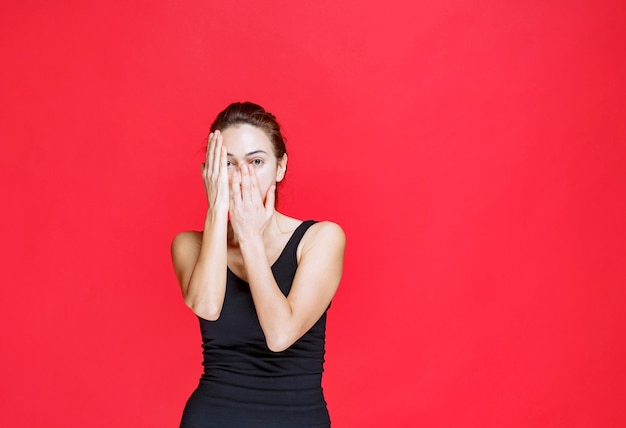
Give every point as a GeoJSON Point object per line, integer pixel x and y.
{"type": "Point", "coordinates": [292, 245]}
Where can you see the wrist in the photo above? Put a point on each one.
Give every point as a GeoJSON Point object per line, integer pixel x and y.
{"type": "Point", "coordinates": [250, 240]}
{"type": "Point", "coordinates": [217, 213]}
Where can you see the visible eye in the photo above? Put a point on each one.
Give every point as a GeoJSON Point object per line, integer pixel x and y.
{"type": "Point", "coordinates": [228, 164]}
{"type": "Point", "coordinates": [257, 162]}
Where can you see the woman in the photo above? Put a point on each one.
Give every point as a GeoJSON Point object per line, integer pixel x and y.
{"type": "Point", "coordinates": [260, 283]}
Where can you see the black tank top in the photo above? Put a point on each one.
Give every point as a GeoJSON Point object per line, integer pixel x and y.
{"type": "Point", "coordinates": [244, 383]}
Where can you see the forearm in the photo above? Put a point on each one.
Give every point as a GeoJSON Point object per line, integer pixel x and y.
{"type": "Point", "coordinates": [273, 308]}
{"type": "Point", "coordinates": [207, 284]}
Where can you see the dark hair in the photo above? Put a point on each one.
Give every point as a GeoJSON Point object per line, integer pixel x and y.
{"type": "Point", "coordinates": [248, 113]}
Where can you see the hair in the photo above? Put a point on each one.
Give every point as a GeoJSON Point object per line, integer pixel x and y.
{"type": "Point", "coordinates": [248, 113]}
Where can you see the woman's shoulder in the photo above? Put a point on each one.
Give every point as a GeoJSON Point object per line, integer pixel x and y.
{"type": "Point", "coordinates": [322, 228]}
{"type": "Point", "coordinates": [326, 226]}
{"type": "Point", "coordinates": [323, 240]}
{"type": "Point", "coordinates": [326, 232]}
{"type": "Point", "coordinates": [187, 238]}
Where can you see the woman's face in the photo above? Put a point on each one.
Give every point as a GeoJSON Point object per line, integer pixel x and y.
{"type": "Point", "coordinates": [247, 144]}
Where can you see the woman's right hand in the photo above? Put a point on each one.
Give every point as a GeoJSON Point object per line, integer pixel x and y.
{"type": "Point", "coordinates": [200, 258]}
{"type": "Point", "coordinates": [215, 173]}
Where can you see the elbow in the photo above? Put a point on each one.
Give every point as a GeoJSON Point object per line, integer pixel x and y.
{"type": "Point", "coordinates": [207, 314]}
{"type": "Point", "coordinates": [279, 343]}
{"type": "Point", "coordinates": [205, 311]}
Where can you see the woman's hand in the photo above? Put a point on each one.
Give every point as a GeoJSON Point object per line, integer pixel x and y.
{"type": "Point", "coordinates": [249, 214]}
{"type": "Point", "coordinates": [215, 173]}
{"type": "Point", "coordinates": [200, 258]}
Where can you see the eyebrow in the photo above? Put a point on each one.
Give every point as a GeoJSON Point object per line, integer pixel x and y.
{"type": "Point", "coordinates": [250, 154]}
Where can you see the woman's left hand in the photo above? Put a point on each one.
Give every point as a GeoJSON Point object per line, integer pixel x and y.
{"type": "Point", "coordinates": [249, 214]}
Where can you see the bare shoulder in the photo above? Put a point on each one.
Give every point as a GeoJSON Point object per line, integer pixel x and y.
{"type": "Point", "coordinates": [324, 234]}
{"type": "Point", "coordinates": [185, 248]}
{"type": "Point", "coordinates": [186, 240]}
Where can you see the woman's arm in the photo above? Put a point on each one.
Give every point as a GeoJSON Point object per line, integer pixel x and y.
{"type": "Point", "coordinates": [284, 319]}
{"type": "Point", "coordinates": [200, 259]}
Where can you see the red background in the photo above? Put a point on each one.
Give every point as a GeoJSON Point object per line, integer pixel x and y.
{"type": "Point", "coordinates": [472, 151]}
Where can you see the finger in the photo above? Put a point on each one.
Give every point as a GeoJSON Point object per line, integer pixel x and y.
{"type": "Point", "coordinates": [235, 183]}
{"type": "Point", "coordinates": [208, 142]}
{"type": "Point", "coordinates": [209, 149]}
{"type": "Point", "coordinates": [245, 184]}
{"type": "Point", "coordinates": [217, 154]}
{"type": "Point", "coordinates": [254, 185]}
{"type": "Point", "coordinates": [234, 207]}
{"type": "Point", "coordinates": [223, 165]}
{"type": "Point", "coordinates": [202, 165]}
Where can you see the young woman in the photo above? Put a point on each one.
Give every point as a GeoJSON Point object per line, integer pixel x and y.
{"type": "Point", "coordinates": [260, 283]}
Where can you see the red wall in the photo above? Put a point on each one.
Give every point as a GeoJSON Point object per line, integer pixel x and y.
{"type": "Point", "coordinates": [473, 152]}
